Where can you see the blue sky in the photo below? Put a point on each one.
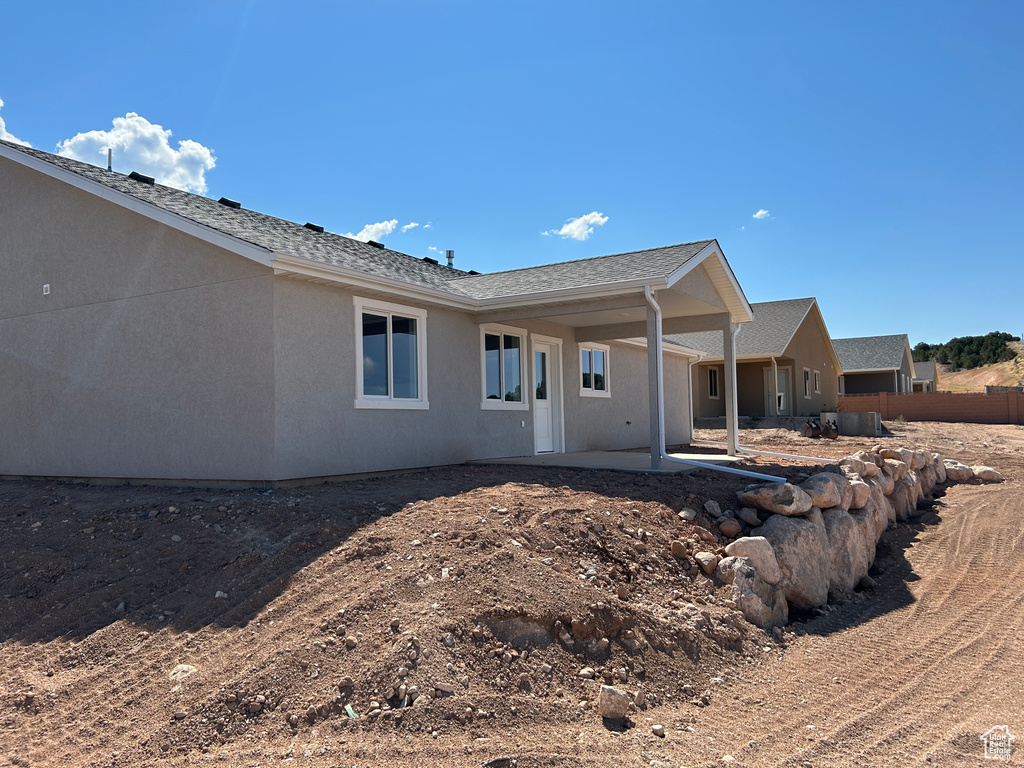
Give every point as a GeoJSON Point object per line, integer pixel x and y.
{"type": "Point", "coordinates": [882, 139]}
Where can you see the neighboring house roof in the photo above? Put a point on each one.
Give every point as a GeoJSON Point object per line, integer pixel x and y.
{"type": "Point", "coordinates": [872, 353]}
{"type": "Point", "coordinates": [924, 371]}
{"type": "Point", "coordinates": [286, 244]}
{"type": "Point", "coordinates": [768, 334]}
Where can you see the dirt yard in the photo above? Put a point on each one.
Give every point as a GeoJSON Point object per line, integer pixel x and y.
{"type": "Point", "coordinates": [153, 626]}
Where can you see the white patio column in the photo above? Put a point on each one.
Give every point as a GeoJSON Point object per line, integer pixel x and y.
{"type": "Point", "coordinates": [732, 427]}
{"type": "Point", "coordinates": [654, 384]}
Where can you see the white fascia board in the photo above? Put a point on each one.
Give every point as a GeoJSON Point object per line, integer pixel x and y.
{"type": "Point", "coordinates": [714, 248]}
{"type": "Point", "coordinates": [596, 291]}
{"type": "Point", "coordinates": [156, 213]}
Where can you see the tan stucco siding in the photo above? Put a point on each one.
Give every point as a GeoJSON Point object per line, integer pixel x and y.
{"type": "Point", "coordinates": [750, 388]}
{"type": "Point", "coordinates": [706, 406]}
{"type": "Point", "coordinates": [809, 349]}
{"type": "Point", "coordinates": [151, 358]}
{"type": "Point", "coordinates": [319, 431]}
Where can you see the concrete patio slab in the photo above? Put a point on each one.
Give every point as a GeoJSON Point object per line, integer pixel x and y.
{"type": "Point", "coordinates": [621, 461]}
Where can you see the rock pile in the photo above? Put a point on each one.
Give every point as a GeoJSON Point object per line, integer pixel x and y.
{"type": "Point", "coordinates": [820, 537]}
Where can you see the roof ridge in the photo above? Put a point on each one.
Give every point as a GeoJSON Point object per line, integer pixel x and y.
{"type": "Point", "coordinates": [589, 258]}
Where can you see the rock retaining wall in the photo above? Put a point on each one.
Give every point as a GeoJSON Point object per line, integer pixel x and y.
{"type": "Point", "coordinates": [819, 537]}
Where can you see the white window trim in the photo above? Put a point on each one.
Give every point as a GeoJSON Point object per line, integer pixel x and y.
{"type": "Point", "coordinates": [524, 370]}
{"type": "Point", "coordinates": [589, 391]}
{"type": "Point", "coordinates": [817, 382]}
{"type": "Point", "coordinates": [388, 402]}
{"type": "Point", "coordinates": [718, 384]}
{"type": "Point", "coordinates": [807, 383]}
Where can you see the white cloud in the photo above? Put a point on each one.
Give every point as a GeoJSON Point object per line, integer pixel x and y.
{"type": "Point", "coordinates": [761, 214]}
{"type": "Point", "coordinates": [432, 248]}
{"type": "Point", "coordinates": [142, 146]}
{"type": "Point", "coordinates": [375, 231]}
{"type": "Point", "coordinates": [8, 136]}
{"type": "Point", "coordinates": [581, 228]}
{"type": "Point", "coordinates": [410, 225]}
{"type": "Point", "coordinates": [428, 225]}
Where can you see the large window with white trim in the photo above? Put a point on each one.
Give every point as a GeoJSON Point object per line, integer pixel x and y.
{"type": "Point", "coordinates": [503, 352]}
{"type": "Point", "coordinates": [594, 370]}
{"type": "Point", "coordinates": [391, 355]}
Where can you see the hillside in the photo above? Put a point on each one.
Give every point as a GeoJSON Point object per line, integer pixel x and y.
{"type": "Point", "coordinates": [1009, 373]}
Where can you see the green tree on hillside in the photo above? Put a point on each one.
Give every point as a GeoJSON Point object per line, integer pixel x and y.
{"type": "Point", "coordinates": [965, 352]}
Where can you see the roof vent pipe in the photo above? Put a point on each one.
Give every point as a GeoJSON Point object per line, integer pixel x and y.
{"type": "Point", "coordinates": [451, 257]}
{"type": "Point", "coordinates": [110, 160]}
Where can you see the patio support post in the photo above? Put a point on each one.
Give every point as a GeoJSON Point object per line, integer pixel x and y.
{"type": "Point", "coordinates": [732, 430]}
{"type": "Point", "coordinates": [654, 384]}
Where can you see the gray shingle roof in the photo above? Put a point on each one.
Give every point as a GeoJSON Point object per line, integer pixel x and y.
{"type": "Point", "coordinates": [773, 326]}
{"type": "Point", "coordinates": [925, 370]}
{"type": "Point", "coordinates": [635, 265]}
{"type": "Point", "coordinates": [871, 352]}
{"type": "Point", "coordinates": [287, 237]}
{"type": "Point", "coordinates": [265, 231]}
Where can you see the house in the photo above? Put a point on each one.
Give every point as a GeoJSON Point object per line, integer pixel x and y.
{"type": "Point", "coordinates": [785, 363]}
{"type": "Point", "coordinates": [926, 376]}
{"type": "Point", "coordinates": [146, 332]}
{"type": "Point", "coordinates": [875, 364]}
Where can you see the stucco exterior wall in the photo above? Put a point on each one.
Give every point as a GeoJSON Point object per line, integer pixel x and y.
{"type": "Point", "coordinates": [152, 356]}
{"type": "Point", "coordinates": [320, 432]}
{"type": "Point", "coordinates": [706, 406]}
{"type": "Point", "coordinates": [750, 388]}
{"type": "Point", "coordinates": [808, 349]}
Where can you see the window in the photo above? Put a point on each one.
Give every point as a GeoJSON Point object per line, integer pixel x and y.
{"type": "Point", "coordinates": [713, 383]}
{"type": "Point", "coordinates": [817, 382]}
{"type": "Point", "coordinates": [391, 354]}
{"type": "Point", "coordinates": [594, 370]}
{"type": "Point", "coordinates": [807, 383]}
{"type": "Point", "coordinates": [502, 367]}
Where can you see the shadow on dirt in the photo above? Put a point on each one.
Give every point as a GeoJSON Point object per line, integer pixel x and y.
{"type": "Point", "coordinates": [891, 573]}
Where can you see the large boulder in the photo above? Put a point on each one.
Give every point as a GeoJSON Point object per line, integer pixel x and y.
{"type": "Point", "coordinates": [904, 498]}
{"type": "Point", "coordinates": [860, 492]}
{"type": "Point", "coordinates": [898, 454]}
{"type": "Point", "coordinates": [760, 602]}
{"type": "Point", "coordinates": [869, 462]}
{"type": "Point", "coordinates": [987, 474]}
{"type": "Point", "coordinates": [895, 469]}
{"type": "Point", "coordinates": [879, 496]}
{"type": "Point", "coordinates": [780, 498]}
{"type": "Point", "coordinates": [875, 515]}
{"type": "Point", "coordinates": [851, 548]}
{"type": "Point", "coordinates": [957, 472]}
{"type": "Point", "coordinates": [939, 466]}
{"type": "Point", "coordinates": [802, 550]}
{"type": "Point", "coordinates": [826, 489]}
{"type": "Point", "coordinates": [885, 479]}
{"type": "Point", "coordinates": [928, 479]}
{"type": "Point", "coordinates": [920, 459]}
{"type": "Point", "coordinates": [759, 551]}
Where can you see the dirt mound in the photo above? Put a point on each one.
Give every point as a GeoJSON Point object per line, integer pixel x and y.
{"type": "Point", "coordinates": [224, 618]}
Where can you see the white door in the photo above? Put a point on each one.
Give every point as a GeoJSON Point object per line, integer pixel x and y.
{"type": "Point", "coordinates": [543, 397]}
{"type": "Point", "coordinates": [780, 392]}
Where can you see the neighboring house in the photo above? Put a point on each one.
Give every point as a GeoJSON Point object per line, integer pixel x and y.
{"type": "Point", "coordinates": [926, 376]}
{"type": "Point", "coordinates": [146, 332]}
{"type": "Point", "coordinates": [785, 363]}
{"type": "Point", "coordinates": [875, 364]}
